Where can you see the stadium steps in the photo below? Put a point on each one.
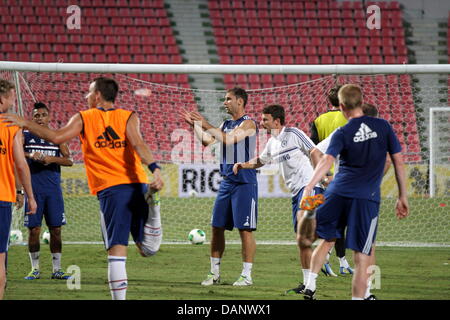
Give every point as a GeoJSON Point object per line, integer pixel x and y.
{"type": "Point", "coordinates": [428, 41]}
{"type": "Point", "coordinates": [190, 20]}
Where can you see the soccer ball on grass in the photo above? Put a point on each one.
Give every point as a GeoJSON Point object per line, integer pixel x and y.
{"type": "Point", "coordinates": [15, 237]}
{"type": "Point", "coordinates": [197, 236]}
{"type": "Point", "coordinates": [46, 237]}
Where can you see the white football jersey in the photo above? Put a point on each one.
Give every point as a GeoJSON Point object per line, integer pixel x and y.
{"type": "Point", "coordinates": [290, 149]}
{"type": "Point", "coordinates": [323, 146]}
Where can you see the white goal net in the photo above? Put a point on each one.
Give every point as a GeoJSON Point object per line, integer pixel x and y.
{"type": "Point", "coordinates": [191, 171]}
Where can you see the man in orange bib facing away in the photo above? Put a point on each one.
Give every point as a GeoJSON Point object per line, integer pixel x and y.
{"type": "Point", "coordinates": [113, 150]}
{"type": "Point", "coordinates": [11, 157]}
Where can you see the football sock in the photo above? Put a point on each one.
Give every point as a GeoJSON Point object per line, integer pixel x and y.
{"type": "Point", "coordinates": [247, 269]}
{"type": "Point", "coordinates": [355, 298]}
{"type": "Point", "coordinates": [152, 232]}
{"type": "Point", "coordinates": [343, 262]}
{"type": "Point", "coordinates": [215, 266]}
{"type": "Point", "coordinates": [369, 284]}
{"type": "Point", "coordinates": [56, 261]}
{"type": "Point", "coordinates": [305, 275]}
{"type": "Point", "coordinates": [34, 258]}
{"type": "Point", "coordinates": [327, 259]}
{"type": "Point", "coordinates": [311, 284]}
{"type": "Point", "coordinates": [117, 277]}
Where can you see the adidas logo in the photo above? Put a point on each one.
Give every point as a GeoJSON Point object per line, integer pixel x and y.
{"type": "Point", "coordinates": [364, 133]}
{"type": "Point", "coordinates": [32, 141]}
{"type": "Point", "coordinates": [110, 139]}
{"type": "Point", "coordinates": [2, 150]}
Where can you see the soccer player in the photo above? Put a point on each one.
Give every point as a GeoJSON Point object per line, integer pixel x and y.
{"type": "Point", "coordinates": [236, 204]}
{"type": "Point", "coordinates": [113, 150]}
{"type": "Point", "coordinates": [370, 111]}
{"type": "Point", "coordinates": [353, 197]}
{"type": "Point", "coordinates": [290, 148]}
{"type": "Point", "coordinates": [11, 157]}
{"type": "Point", "coordinates": [321, 128]}
{"type": "Point", "coordinates": [45, 160]}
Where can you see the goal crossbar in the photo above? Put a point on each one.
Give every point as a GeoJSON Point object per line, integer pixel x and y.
{"type": "Point", "coordinates": [226, 69]}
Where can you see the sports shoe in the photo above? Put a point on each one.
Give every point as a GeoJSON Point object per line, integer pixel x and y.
{"type": "Point", "coordinates": [211, 280]}
{"type": "Point", "coordinates": [33, 275]}
{"type": "Point", "coordinates": [328, 271]}
{"type": "Point", "coordinates": [371, 297]}
{"type": "Point", "coordinates": [299, 290]}
{"type": "Point", "coordinates": [243, 281]}
{"type": "Point", "coordinates": [61, 275]}
{"type": "Point", "coordinates": [342, 270]}
{"type": "Point", "coordinates": [309, 295]}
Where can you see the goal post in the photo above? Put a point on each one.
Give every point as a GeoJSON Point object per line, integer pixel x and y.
{"type": "Point", "coordinates": [439, 128]}
{"type": "Point", "coordinates": [190, 170]}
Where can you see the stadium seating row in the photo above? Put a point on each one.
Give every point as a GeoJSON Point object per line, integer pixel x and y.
{"type": "Point", "coordinates": [313, 59]}
{"type": "Point", "coordinates": [229, 31]}
{"type": "Point", "coordinates": [96, 3]}
{"type": "Point", "coordinates": [283, 40]}
{"type": "Point", "coordinates": [310, 50]}
{"type": "Point", "coordinates": [84, 48]}
{"type": "Point", "coordinates": [392, 18]}
{"type": "Point", "coordinates": [92, 58]}
{"type": "Point", "coordinates": [299, 4]}
{"type": "Point", "coordinates": [75, 39]}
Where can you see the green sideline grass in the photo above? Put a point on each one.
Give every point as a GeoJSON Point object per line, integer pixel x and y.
{"type": "Point", "coordinates": [177, 270]}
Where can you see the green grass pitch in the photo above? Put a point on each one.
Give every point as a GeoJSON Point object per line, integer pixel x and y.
{"type": "Point", "coordinates": [176, 271]}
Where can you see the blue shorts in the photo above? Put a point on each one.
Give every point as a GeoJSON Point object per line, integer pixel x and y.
{"type": "Point", "coordinates": [236, 206]}
{"type": "Point", "coordinates": [5, 224]}
{"type": "Point", "coordinates": [296, 204]}
{"type": "Point", "coordinates": [50, 206]}
{"type": "Point", "coordinates": [123, 209]}
{"type": "Point", "coordinates": [360, 216]}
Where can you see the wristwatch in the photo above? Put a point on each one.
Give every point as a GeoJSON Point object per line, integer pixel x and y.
{"type": "Point", "coordinates": [20, 192]}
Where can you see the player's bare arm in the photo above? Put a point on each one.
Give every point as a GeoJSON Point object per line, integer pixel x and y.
{"type": "Point", "coordinates": [64, 160]}
{"type": "Point", "coordinates": [136, 140]}
{"type": "Point", "coordinates": [254, 163]}
{"type": "Point", "coordinates": [246, 129]}
{"type": "Point", "coordinates": [320, 171]}
{"type": "Point", "coordinates": [402, 206]}
{"type": "Point", "coordinates": [23, 171]}
{"type": "Point", "coordinates": [72, 129]}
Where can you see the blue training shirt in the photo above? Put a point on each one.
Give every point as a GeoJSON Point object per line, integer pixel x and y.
{"type": "Point", "coordinates": [242, 151]}
{"type": "Point", "coordinates": [362, 145]}
{"type": "Point", "coordinates": [43, 177]}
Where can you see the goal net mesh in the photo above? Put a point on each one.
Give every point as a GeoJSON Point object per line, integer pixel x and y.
{"type": "Point", "coordinates": [191, 172]}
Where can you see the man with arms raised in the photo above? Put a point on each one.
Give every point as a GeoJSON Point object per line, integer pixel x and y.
{"type": "Point", "coordinates": [113, 150]}
{"type": "Point", "coordinates": [236, 205]}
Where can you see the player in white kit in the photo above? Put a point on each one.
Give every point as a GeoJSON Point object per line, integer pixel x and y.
{"type": "Point", "coordinates": [290, 148]}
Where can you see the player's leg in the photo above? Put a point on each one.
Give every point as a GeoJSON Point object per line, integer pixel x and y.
{"type": "Point", "coordinates": [55, 219]}
{"type": "Point", "coordinates": [248, 257]}
{"type": "Point", "coordinates": [368, 295]}
{"type": "Point", "coordinates": [244, 202]}
{"type": "Point", "coordinates": [33, 223]}
{"type": "Point", "coordinates": [5, 224]}
{"type": "Point", "coordinates": [221, 220]}
{"type": "Point", "coordinates": [361, 235]}
{"type": "Point", "coordinates": [328, 219]}
{"type": "Point", "coordinates": [152, 232]}
{"type": "Point", "coordinates": [2, 274]}
{"type": "Point", "coordinates": [116, 204]}
{"type": "Point", "coordinates": [34, 252]}
{"type": "Point", "coordinates": [344, 266]}
{"type": "Point", "coordinates": [361, 275]}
